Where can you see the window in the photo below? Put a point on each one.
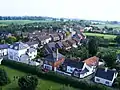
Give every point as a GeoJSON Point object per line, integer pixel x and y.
{"type": "Point", "coordinates": [107, 82]}
{"type": "Point", "coordinates": [97, 79]}
{"type": "Point", "coordinates": [48, 67]}
{"type": "Point", "coordinates": [76, 73]}
{"type": "Point", "coordinates": [71, 70]}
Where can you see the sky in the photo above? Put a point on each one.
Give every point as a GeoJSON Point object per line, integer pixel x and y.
{"type": "Point", "coordinates": [83, 9]}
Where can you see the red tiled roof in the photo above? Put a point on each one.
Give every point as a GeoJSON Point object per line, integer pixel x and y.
{"type": "Point", "coordinates": [92, 61]}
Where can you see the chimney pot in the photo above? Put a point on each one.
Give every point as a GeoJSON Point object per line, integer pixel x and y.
{"type": "Point", "coordinates": [106, 69]}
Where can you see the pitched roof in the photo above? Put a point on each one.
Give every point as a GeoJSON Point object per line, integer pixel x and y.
{"type": "Point", "coordinates": [31, 43]}
{"type": "Point", "coordinates": [59, 44]}
{"type": "Point", "coordinates": [31, 50]}
{"type": "Point", "coordinates": [51, 45]}
{"type": "Point", "coordinates": [54, 35]}
{"type": "Point", "coordinates": [84, 71]}
{"type": "Point", "coordinates": [73, 63]}
{"type": "Point", "coordinates": [44, 37]}
{"type": "Point", "coordinates": [19, 46]}
{"type": "Point", "coordinates": [92, 61]}
{"type": "Point", "coordinates": [53, 57]}
{"type": "Point", "coordinates": [71, 41]}
{"type": "Point", "coordinates": [108, 74]}
{"type": "Point", "coordinates": [65, 44]}
{"type": "Point", "coordinates": [4, 46]}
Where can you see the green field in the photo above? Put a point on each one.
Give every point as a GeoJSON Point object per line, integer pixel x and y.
{"type": "Point", "coordinates": [43, 84]}
{"type": "Point", "coordinates": [106, 36]}
{"type": "Point", "coordinates": [7, 22]}
{"type": "Point", "coordinates": [115, 26]}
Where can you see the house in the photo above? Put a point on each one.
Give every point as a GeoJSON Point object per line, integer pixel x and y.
{"type": "Point", "coordinates": [19, 49]}
{"type": "Point", "coordinates": [49, 48]}
{"type": "Point", "coordinates": [105, 76]}
{"type": "Point", "coordinates": [3, 49]}
{"type": "Point", "coordinates": [32, 44]}
{"type": "Point", "coordinates": [53, 61]}
{"type": "Point", "coordinates": [59, 45]}
{"type": "Point", "coordinates": [77, 69]}
{"type": "Point", "coordinates": [26, 59]}
{"type": "Point", "coordinates": [61, 35]}
{"type": "Point", "coordinates": [66, 46]}
{"type": "Point", "coordinates": [72, 31]}
{"type": "Point", "coordinates": [79, 37]}
{"type": "Point", "coordinates": [5, 34]}
{"type": "Point", "coordinates": [72, 43]}
{"type": "Point", "coordinates": [43, 39]}
{"type": "Point", "coordinates": [77, 40]}
{"type": "Point", "coordinates": [31, 52]}
{"type": "Point", "coordinates": [92, 62]}
{"type": "Point", "coordinates": [54, 37]}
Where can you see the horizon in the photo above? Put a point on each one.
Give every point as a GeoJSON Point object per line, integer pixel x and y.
{"type": "Point", "coordinates": [103, 10]}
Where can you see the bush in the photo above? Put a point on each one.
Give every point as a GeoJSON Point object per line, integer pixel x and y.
{"type": "Point", "coordinates": [28, 82]}
{"type": "Point", "coordinates": [3, 78]}
{"type": "Point", "coordinates": [53, 76]}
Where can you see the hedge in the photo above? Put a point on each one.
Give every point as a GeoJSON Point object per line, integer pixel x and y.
{"type": "Point", "coordinates": [53, 76]}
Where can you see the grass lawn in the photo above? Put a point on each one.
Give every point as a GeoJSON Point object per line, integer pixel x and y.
{"type": "Point", "coordinates": [43, 84]}
{"type": "Point", "coordinates": [115, 26]}
{"type": "Point", "coordinates": [7, 22]}
{"type": "Point", "coordinates": [106, 36]}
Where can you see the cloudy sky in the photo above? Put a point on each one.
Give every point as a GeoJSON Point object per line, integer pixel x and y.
{"type": "Point", "coordinates": [84, 9]}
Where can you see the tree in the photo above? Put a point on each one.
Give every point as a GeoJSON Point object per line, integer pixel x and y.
{"type": "Point", "coordinates": [93, 46]}
{"type": "Point", "coordinates": [117, 39]}
{"type": "Point", "coordinates": [11, 39]}
{"type": "Point", "coordinates": [117, 82]}
{"type": "Point", "coordinates": [109, 57]}
{"type": "Point", "coordinates": [3, 78]}
{"type": "Point", "coordinates": [28, 82]}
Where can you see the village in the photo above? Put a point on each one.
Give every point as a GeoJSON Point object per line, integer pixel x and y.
{"type": "Point", "coordinates": [52, 45]}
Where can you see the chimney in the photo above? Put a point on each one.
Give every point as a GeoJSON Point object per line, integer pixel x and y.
{"type": "Point", "coordinates": [57, 54]}
{"type": "Point", "coordinates": [106, 69]}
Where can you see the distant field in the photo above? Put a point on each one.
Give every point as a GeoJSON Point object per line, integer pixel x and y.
{"type": "Point", "coordinates": [116, 26]}
{"type": "Point", "coordinates": [43, 84]}
{"type": "Point", "coordinates": [101, 35]}
{"type": "Point", "coordinates": [3, 25]}
{"type": "Point", "coordinates": [7, 22]}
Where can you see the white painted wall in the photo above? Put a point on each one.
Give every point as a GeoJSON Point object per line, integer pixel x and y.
{"type": "Point", "coordinates": [35, 45]}
{"type": "Point", "coordinates": [46, 65]}
{"type": "Point", "coordinates": [1, 60]}
{"type": "Point", "coordinates": [103, 81]}
{"type": "Point", "coordinates": [15, 54]}
{"type": "Point", "coordinates": [32, 54]}
{"type": "Point", "coordinates": [86, 74]}
{"type": "Point", "coordinates": [70, 69]}
{"type": "Point", "coordinates": [3, 52]}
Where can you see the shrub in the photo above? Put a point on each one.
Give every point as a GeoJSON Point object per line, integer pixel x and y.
{"type": "Point", "coordinates": [3, 78]}
{"type": "Point", "coordinates": [28, 82]}
{"type": "Point", "coordinates": [53, 76]}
